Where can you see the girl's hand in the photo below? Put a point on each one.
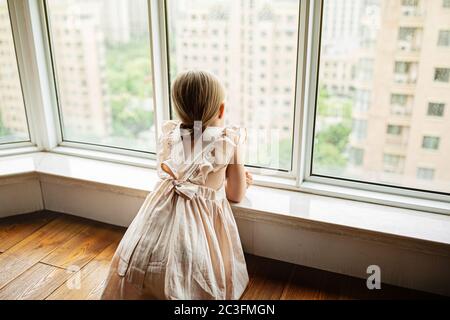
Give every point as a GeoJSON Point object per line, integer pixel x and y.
{"type": "Point", "coordinates": [248, 178]}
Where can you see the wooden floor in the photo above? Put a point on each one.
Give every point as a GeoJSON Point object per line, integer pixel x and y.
{"type": "Point", "coordinates": [45, 255]}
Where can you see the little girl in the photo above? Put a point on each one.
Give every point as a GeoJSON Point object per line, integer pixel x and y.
{"type": "Point", "coordinates": [184, 243]}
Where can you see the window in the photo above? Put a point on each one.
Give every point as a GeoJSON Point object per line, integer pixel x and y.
{"type": "Point", "coordinates": [409, 39]}
{"type": "Point", "coordinates": [410, 3]}
{"type": "Point", "coordinates": [359, 129]}
{"type": "Point", "coordinates": [405, 72]}
{"type": "Point", "coordinates": [410, 7]}
{"type": "Point", "coordinates": [102, 64]}
{"type": "Point", "coordinates": [401, 104]}
{"type": "Point", "coordinates": [406, 33]}
{"type": "Point", "coordinates": [436, 109]}
{"type": "Point", "coordinates": [13, 120]}
{"type": "Point", "coordinates": [444, 38]}
{"type": "Point", "coordinates": [431, 143]}
{"type": "Point", "coordinates": [365, 69]}
{"type": "Point", "coordinates": [425, 174]}
{"type": "Point", "coordinates": [363, 108]}
{"type": "Point", "coordinates": [356, 156]}
{"type": "Point", "coordinates": [362, 100]}
{"type": "Point", "coordinates": [402, 67]}
{"type": "Point", "coordinates": [368, 134]}
{"type": "Point", "coordinates": [393, 163]}
{"type": "Point", "coordinates": [399, 99]}
{"type": "Point", "coordinates": [246, 104]}
{"type": "Point", "coordinates": [394, 130]}
{"type": "Point", "coordinates": [442, 75]}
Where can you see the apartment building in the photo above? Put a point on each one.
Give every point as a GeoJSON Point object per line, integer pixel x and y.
{"type": "Point", "coordinates": [402, 107]}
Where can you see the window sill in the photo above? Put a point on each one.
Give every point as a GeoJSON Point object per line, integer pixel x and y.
{"type": "Point", "coordinates": [419, 229]}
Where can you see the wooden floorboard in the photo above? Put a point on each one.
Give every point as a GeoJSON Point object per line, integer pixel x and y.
{"type": "Point", "coordinates": [56, 256]}
{"type": "Point", "coordinates": [33, 248]}
{"type": "Point", "coordinates": [15, 229]}
{"type": "Point", "coordinates": [36, 283]}
{"type": "Point", "coordinates": [87, 284]}
{"type": "Point", "coordinates": [83, 247]}
{"type": "Point", "coordinates": [267, 278]}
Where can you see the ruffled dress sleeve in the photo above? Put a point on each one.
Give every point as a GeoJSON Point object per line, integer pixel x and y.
{"type": "Point", "coordinates": [166, 142]}
{"type": "Point", "coordinates": [233, 137]}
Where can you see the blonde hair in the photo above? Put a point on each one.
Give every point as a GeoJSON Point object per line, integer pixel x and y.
{"type": "Point", "coordinates": [197, 96]}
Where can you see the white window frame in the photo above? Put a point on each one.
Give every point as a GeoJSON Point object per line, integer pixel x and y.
{"type": "Point", "coordinates": [71, 147]}
{"type": "Point", "coordinates": [35, 65]}
{"type": "Point", "coordinates": [345, 188]}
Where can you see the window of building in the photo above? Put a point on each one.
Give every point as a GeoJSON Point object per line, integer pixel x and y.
{"type": "Point", "coordinates": [393, 163]}
{"type": "Point", "coordinates": [444, 38]}
{"type": "Point", "coordinates": [114, 40]}
{"type": "Point", "coordinates": [410, 3]}
{"type": "Point", "coordinates": [436, 109]}
{"type": "Point", "coordinates": [406, 33]}
{"type": "Point", "coordinates": [430, 142]}
{"type": "Point", "coordinates": [356, 156]}
{"type": "Point", "coordinates": [399, 99]}
{"type": "Point", "coordinates": [425, 174]}
{"type": "Point", "coordinates": [402, 67]}
{"type": "Point", "coordinates": [410, 7]}
{"type": "Point", "coordinates": [13, 119]}
{"type": "Point", "coordinates": [394, 130]}
{"type": "Point", "coordinates": [359, 129]}
{"type": "Point", "coordinates": [442, 75]}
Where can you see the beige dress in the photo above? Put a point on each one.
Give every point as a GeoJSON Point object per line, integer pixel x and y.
{"type": "Point", "coordinates": [183, 243]}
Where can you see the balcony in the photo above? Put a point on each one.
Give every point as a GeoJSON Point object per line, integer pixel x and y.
{"type": "Point", "coordinates": [412, 11]}
{"type": "Point", "coordinates": [405, 78]}
{"type": "Point", "coordinates": [409, 46]}
{"type": "Point", "coordinates": [397, 141]}
{"type": "Point", "coordinates": [402, 111]}
{"type": "Point", "coordinates": [414, 16]}
{"type": "Point", "coordinates": [393, 169]}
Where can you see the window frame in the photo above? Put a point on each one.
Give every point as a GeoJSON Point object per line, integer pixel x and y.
{"type": "Point", "coordinates": [262, 172]}
{"type": "Point", "coordinates": [310, 182]}
{"type": "Point", "coordinates": [57, 112]}
{"type": "Point", "coordinates": [34, 60]}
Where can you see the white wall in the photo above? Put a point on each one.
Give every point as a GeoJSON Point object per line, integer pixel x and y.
{"type": "Point", "coordinates": [20, 194]}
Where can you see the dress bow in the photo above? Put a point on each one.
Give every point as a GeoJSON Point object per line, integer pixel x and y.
{"type": "Point", "coordinates": [185, 189]}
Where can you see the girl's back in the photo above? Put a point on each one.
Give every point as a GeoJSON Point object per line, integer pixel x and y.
{"type": "Point", "coordinates": [184, 243]}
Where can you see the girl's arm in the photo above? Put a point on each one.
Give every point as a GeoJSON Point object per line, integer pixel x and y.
{"type": "Point", "coordinates": [236, 179]}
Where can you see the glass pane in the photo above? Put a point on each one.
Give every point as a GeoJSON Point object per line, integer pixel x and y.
{"type": "Point", "coordinates": [13, 120]}
{"type": "Point", "coordinates": [252, 47]}
{"type": "Point", "coordinates": [102, 59]}
{"type": "Point", "coordinates": [384, 94]}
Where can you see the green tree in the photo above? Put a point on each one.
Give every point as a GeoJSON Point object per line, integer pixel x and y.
{"type": "Point", "coordinates": [330, 145]}
{"type": "Point", "coordinates": [331, 142]}
{"type": "Point", "coordinates": [129, 84]}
